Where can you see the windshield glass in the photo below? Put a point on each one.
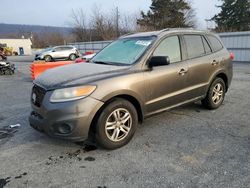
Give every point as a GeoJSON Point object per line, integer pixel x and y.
{"type": "Point", "coordinates": [123, 51]}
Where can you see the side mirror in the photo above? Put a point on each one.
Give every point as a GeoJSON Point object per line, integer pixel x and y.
{"type": "Point", "coordinates": [157, 61]}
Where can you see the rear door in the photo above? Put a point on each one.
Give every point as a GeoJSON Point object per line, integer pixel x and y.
{"type": "Point", "coordinates": [57, 53]}
{"type": "Point", "coordinates": [67, 50]}
{"type": "Point", "coordinates": [200, 61]}
{"type": "Point", "coordinates": [166, 84]}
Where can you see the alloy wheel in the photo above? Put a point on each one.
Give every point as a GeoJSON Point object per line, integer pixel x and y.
{"type": "Point", "coordinates": [118, 124]}
{"type": "Point", "coordinates": [217, 93]}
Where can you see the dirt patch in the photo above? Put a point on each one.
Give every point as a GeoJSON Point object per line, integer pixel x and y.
{"type": "Point", "coordinates": [6, 132]}
{"type": "Point", "coordinates": [72, 155]}
{"type": "Point", "coordinates": [89, 159]}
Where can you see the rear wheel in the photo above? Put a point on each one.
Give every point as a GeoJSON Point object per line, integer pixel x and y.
{"type": "Point", "coordinates": [116, 124]}
{"type": "Point", "coordinates": [215, 95]}
{"type": "Point", "coordinates": [72, 57]}
{"type": "Point", "coordinates": [48, 58]}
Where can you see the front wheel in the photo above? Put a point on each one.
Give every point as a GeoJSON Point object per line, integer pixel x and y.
{"type": "Point", "coordinates": [116, 124]}
{"type": "Point", "coordinates": [215, 95]}
{"type": "Point", "coordinates": [48, 58]}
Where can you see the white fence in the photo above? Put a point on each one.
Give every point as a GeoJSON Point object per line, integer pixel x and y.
{"type": "Point", "coordinates": [94, 46]}
{"type": "Point", "coordinates": [239, 44]}
{"type": "Point", "coordinates": [236, 42]}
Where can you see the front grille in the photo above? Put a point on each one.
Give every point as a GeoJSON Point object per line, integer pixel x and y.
{"type": "Point", "coordinates": [37, 95]}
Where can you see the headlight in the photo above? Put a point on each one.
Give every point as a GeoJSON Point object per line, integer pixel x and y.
{"type": "Point", "coordinates": [73, 93]}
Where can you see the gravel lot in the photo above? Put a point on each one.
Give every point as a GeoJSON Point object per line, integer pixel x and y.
{"type": "Point", "coordinates": [185, 147]}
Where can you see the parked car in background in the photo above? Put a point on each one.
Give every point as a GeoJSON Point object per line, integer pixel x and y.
{"type": "Point", "coordinates": [88, 57]}
{"type": "Point", "coordinates": [58, 53]}
{"type": "Point", "coordinates": [134, 77]}
{"type": "Point", "coordinates": [85, 58]}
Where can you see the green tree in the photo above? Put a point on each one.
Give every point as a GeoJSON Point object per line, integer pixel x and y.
{"type": "Point", "coordinates": [234, 16]}
{"type": "Point", "coordinates": [167, 14]}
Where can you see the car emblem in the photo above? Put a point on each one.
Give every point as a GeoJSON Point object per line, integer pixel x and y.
{"type": "Point", "coordinates": [34, 97]}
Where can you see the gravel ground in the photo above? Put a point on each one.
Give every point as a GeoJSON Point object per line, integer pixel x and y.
{"type": "Point", "coordinates": [185, 147]}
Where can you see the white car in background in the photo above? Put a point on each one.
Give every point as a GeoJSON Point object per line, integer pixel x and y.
{"type": "Point", "coordinates": [58, 53]}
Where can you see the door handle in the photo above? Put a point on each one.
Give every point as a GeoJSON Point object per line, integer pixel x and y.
{"type": "Point", "coordinates": [215, 62]}
{"type": "Point", "coordinates": [183, 71]}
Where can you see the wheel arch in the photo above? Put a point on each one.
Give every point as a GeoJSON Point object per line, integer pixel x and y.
{"type": "Point", "coordinates": [134, 101]}
{"type": "Point", "coordinates": [223, 76]}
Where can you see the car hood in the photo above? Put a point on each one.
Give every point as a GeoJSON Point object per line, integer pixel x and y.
{"type": "Point", "coordinates": [77, 74]}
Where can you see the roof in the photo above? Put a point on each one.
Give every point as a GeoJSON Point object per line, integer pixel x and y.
{"type": "Point", "coordinates": [164, 32]}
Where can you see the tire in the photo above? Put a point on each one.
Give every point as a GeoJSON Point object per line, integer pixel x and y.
{"type": "Point", "coordinates": [48, 58]}
{"type": "Point", "coordinates": [111, 134]}
{"type": "Point", "coordinates": [72, 57]}
{"type": "Point", "coordinates": [215, 95]}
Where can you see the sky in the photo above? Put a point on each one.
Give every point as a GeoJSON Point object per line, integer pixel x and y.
{"type": "Point", "coordinates": [57, 12]}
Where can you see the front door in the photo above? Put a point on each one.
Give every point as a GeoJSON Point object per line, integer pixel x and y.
{"type": "Point", "coordinates": [167, 84]}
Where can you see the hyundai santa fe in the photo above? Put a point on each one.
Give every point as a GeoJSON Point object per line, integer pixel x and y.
{"type": "Point", "coordinates": [134, 77]}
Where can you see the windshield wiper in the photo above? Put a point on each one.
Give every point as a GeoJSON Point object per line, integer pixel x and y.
{"type": "Point", "coordinates": [102, 62]}
{"type": "Point", "coordinates": [109, 63]}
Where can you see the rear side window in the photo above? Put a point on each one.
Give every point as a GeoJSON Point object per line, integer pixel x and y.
{"type": "Point", "coordinates": [66, 48]}
{"type": "Point", "coordinates": [194, 45]}
{"type": "Point", "coordinates": [169, 47]}
{"type": "Point", "coordinates": [216, 44]}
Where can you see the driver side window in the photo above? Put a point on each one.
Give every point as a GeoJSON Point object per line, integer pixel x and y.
{"type": "Point", "coordinates": [169, 47]}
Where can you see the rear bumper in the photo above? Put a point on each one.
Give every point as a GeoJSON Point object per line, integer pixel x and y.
{"type": "Point", "coordinates": [68, 120]}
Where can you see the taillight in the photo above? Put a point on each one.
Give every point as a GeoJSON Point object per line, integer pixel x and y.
{"type": "Point", "coordinates": [232, 56]}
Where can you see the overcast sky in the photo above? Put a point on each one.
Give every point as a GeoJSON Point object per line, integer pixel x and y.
{"type": "Point", "coordinates": [57, 12]}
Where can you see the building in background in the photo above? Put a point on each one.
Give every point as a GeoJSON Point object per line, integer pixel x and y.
{"type": "Point", "coordinates": [21, 46]}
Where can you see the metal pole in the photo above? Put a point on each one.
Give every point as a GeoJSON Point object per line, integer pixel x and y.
{"type": "Point", "coordinates": [117, 22]}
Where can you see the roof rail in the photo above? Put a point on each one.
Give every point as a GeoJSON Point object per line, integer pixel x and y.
{"type": "Point", "coordinates": [163, 30]}
{"type": "Point", "coordinates": [127, 34]}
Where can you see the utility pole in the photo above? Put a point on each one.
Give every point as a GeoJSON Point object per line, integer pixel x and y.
{"type": "Point", "coordinates": [117, 22]}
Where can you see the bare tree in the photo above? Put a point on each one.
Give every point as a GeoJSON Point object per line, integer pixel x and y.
{"type": "Point", "coordinates": [190, 15]}
{"type": "Point", "coordinates": [45, 39]}
{"type": "Point", "coordinates": [105, 25]}
{"type": "Point", "coordinates": [79, 25]}
{"type": "Point", "coordinates": [128, 22]}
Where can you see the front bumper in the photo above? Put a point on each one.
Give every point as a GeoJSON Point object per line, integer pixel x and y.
{"type": "Point", "coordinates": [67, 120]}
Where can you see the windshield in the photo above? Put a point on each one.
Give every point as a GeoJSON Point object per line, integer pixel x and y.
{"type": "Point", "coordinates": [123, 51]}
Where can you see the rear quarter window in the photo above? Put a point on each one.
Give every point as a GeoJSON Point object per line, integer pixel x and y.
{"type": "Point", "coordinates": [215, 43]}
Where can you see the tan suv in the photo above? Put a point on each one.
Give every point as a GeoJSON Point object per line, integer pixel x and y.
{"type": "Point", "coordinates": [134, 77]}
